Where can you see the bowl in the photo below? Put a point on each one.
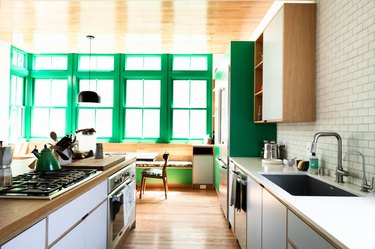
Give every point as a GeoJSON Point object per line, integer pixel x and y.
{"type": "Point", "coordinates": [289, 162]}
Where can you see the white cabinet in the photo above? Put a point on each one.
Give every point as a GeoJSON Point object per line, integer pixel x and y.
{"type": "Point", "coordinates": [32, 238]}
{"type": "Point", "coordinates": [82, 222]}
{"type": "Point", "coordinates": [272, 68]}
{"type": "Point", "coordinates": [254, 214]}
{"type": "Point", "coordinates": [300, 235]}
{"type": "Point", "coordinates": [285, 79]}
{"type": "Point", "coordinates": [91, 233]}
{"type": "Point", "coordinates": [274, 229]}
{"type": "Point", "coordinates": [203, 165]}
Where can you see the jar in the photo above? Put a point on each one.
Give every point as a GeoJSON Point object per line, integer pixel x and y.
{"type": "Point", "coordinates": [6, 176]}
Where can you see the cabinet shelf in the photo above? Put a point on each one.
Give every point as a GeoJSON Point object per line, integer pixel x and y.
{"type": "Point", "coordinates": [260, 93]}
{"type": "Point", "coordinates": [259, 65]}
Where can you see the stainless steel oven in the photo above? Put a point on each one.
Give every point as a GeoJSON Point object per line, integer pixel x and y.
{"type": "Point", "coordinates": [121, 203]}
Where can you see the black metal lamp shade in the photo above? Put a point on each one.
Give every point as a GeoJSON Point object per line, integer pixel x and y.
{"type": "Point", "coordinates": [88, 97]}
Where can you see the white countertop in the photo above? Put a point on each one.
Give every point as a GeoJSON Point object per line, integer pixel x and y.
{"type": "Point", "coordinates": [348, 221]}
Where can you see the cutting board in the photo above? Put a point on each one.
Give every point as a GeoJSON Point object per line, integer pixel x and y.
{"type": "Point", "coordinates": [91, 163]}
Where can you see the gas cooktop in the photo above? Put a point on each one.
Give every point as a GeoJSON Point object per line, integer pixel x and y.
{"type": "Point", "coordinates": [36, 185]}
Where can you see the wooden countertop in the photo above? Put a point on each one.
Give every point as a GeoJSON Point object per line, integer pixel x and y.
{"type": "Point", "coordinates": [16, 215]}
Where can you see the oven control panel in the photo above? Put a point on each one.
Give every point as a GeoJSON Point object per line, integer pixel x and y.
{"type": "Point", "coordinates": [120, 177]}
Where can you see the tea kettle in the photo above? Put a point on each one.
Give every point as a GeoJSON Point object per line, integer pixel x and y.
{"type": "Point", "coordinates": [46, 160]}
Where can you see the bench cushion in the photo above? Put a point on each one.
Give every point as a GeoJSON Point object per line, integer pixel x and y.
{"type": "Point", "coordinates": [173, 164]}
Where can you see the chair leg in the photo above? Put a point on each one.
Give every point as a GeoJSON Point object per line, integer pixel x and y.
{"type": "Point", "coordinates": [165, 187]}
{"type": "Point", "coordinates": [144, 184]}
{"type": "Point", "coordinates": [140, 190]}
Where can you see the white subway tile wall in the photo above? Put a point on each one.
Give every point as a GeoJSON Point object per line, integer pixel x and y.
{"type": "Point", "coordinates": [345, 88]}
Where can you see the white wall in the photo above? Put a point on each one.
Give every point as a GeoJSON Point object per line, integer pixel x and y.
{"type": "Point", "coordinates": [4, 89]}
{"type": "Point", "coordinates": [345, 87]}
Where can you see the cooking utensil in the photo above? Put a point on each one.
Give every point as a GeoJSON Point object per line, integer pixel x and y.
{"type": "Point", "coordinates": [46, 162]}
{"type": "Point", "coordinates": [53, 136]}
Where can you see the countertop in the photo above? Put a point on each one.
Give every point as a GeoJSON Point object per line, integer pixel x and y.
{"type": "Point", "coordinates": [346, 221]}
{"type": "Point", "coordinates": [16, 215]}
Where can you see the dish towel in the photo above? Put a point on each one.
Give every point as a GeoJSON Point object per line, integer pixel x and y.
{"type": "Point", "coordinates": [244, 195]}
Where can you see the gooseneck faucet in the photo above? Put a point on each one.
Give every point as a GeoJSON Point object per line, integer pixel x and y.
{"type": "Point", "coordinates": [365, 187]}
{"type": "Point", "coordinates": [340, 172]}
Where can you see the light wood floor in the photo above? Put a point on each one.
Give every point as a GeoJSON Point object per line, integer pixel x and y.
{"type": "Point", "coordinates": [187, 219]}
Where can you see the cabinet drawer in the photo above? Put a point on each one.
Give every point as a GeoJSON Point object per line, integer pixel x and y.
{"type": "Point", "coordinates": [32, 238]}
{"type": "Point", "coordinates": [303, 236]}
{"type": "Point", "coordinates": [65, 217]}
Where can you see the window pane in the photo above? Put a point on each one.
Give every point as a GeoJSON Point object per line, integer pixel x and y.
{"type": "Point", "coordinates": [14, 58]}
{"type": "Point", "coordinates": [134, 63]}
{"type": "Point", "coordinates": [42, 92]}
{"type": "Point", "coordinates": [180, 124]}
{"type": "Point", "coordinates": [86, 118]}
{"type": "Point", "coordinates": [198, 63]}
{"type": "Point", "coordinates": [105, 90]}
{"type": "Point", "coordinates": [59, 92]}
{"type": "Point", "coordinates": [151, 123]}
{"type": "Point", "coordinates": [59, 62]}
{"type": "Point", "coordinates": [152, 63]}
{"type": "Point", "coordinates": [151, 93]}
{"type": "Point", "coordinates": [197, 124]}
{"type": "Point", "coordinates": [20, 60]}
{"type": "Point", "coordinates": [40, 123]}
{"type": "Point", "coordinates": [84, 63]}
{"type": "Point", "coordinates": [198, 94]}
{"type": "Point", "coordinates": [133, 123]}
{"type": "Point", "coordinates": [97, 63]}
{"type": "Point", "coordinates": [180, 93]}
{"type": "Point", "coordinates": [103, 125]}
{"type": "Point", "coordinates": [105, 63]}
{"type": "Point", "coordinates": [134, 93]}
{"type": "Point", "coordinates": [181, 63]}
{"type": "Point", "coordinates": [42, 62]}
{"type": "Point", "coordinates": [57, 121]}
{"type": "Point", "coordinates": [19, 92]}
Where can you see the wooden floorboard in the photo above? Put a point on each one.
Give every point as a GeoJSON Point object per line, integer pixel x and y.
{"type": "Point", "coordinates": [189, 219]}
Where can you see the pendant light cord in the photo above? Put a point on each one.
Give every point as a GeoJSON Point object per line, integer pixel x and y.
{"type": "Point", "coordinates": [90, 37]}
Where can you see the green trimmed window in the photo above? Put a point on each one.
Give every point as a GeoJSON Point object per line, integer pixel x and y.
{"type": "Point", "coordinates": [49, 109]}
{"type": "Point", "coordinates": [189, 109]}
{"type": "Point", "coordinates": [142, 108]}
{"type": "Point", "coordinates": [17, 108]}
{"type": "Point", "coordinates": [157, 98]}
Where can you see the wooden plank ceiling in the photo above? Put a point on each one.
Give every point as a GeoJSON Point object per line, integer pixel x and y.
{"type": "Point", "coordinates": [129, 26]}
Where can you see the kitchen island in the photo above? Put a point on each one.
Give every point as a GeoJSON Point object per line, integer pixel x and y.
{"type": "Point", "coordinates": [343, 222]}
{"type": "Point", "coordinates": [17, 215]}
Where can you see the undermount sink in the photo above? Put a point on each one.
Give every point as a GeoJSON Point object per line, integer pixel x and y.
{"type": "Point", "coordinates": [305, 185]}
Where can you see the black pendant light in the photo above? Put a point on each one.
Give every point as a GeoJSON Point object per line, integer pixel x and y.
{"type": "Point", "coordinates": [89, 96]}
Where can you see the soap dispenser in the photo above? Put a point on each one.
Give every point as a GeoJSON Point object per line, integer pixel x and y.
{"type": "Point", "coordinates": [313, 164]}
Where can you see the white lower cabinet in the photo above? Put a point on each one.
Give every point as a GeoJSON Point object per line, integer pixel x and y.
{"type": "Point", "coordinates": [274, 218]}
{"type": "Point", "coordinates": [32, 238]}
{"type": "Point", "coordinates": [254, 214]}
{"type": "Point", "coordinates": [82, 223]}
{"type": "Point", "coordinates": [300, 235]}
{"type": "Point", "coordinates": [91, 233]}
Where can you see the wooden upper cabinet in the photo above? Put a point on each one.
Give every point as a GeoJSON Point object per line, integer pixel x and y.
{"type": "Point", "coordinates": [285, 67]}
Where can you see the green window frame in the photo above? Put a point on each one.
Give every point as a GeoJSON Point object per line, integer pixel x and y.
{"type": "Point", "coordinates": [194, 113]}
{"type": "Point", "coordinates": [143, 97]}
{"type": "Point", "coordinates": [147, 71]}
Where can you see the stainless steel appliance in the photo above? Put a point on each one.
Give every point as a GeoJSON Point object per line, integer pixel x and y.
{"type": "Point", "coordinates": [6, 154]}
{"type": "Point", "coordinates": [240, 205]}
{"type": "Point", "coordinates": [46, 185]}
{"type": "Point", "coordinates": [121, 203]}
{"type": "Point", "coordinates": [223, 187]}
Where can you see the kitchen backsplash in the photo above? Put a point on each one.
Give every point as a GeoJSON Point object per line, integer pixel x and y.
{"type": "Point", "coordinates": [345, 88]}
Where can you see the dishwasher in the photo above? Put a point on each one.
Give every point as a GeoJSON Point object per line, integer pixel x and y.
{"type": "Point", "coordinates": [239, 200]}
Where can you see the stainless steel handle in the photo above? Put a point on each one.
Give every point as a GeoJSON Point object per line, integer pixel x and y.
{"type": "Point", "coordinates": [221, 162]}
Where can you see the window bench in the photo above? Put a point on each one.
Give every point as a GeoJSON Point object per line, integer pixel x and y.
{"type": "Point", "coordinates": [171, 164]}
{"type": "Point", "coordinates": [179, 173]}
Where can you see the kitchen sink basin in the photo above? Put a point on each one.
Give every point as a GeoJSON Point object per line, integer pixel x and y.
{"type": "Point", "coordinates": [305, 185]}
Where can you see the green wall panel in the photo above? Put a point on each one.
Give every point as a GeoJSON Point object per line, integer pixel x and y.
{"type": "Point", "coordinates": [246, 137]}
{"type": "Point", "coordinates": [176, 176]}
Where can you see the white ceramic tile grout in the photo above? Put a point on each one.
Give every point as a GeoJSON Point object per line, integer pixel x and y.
{"type": "Point", "coordinates": [345, 87]}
